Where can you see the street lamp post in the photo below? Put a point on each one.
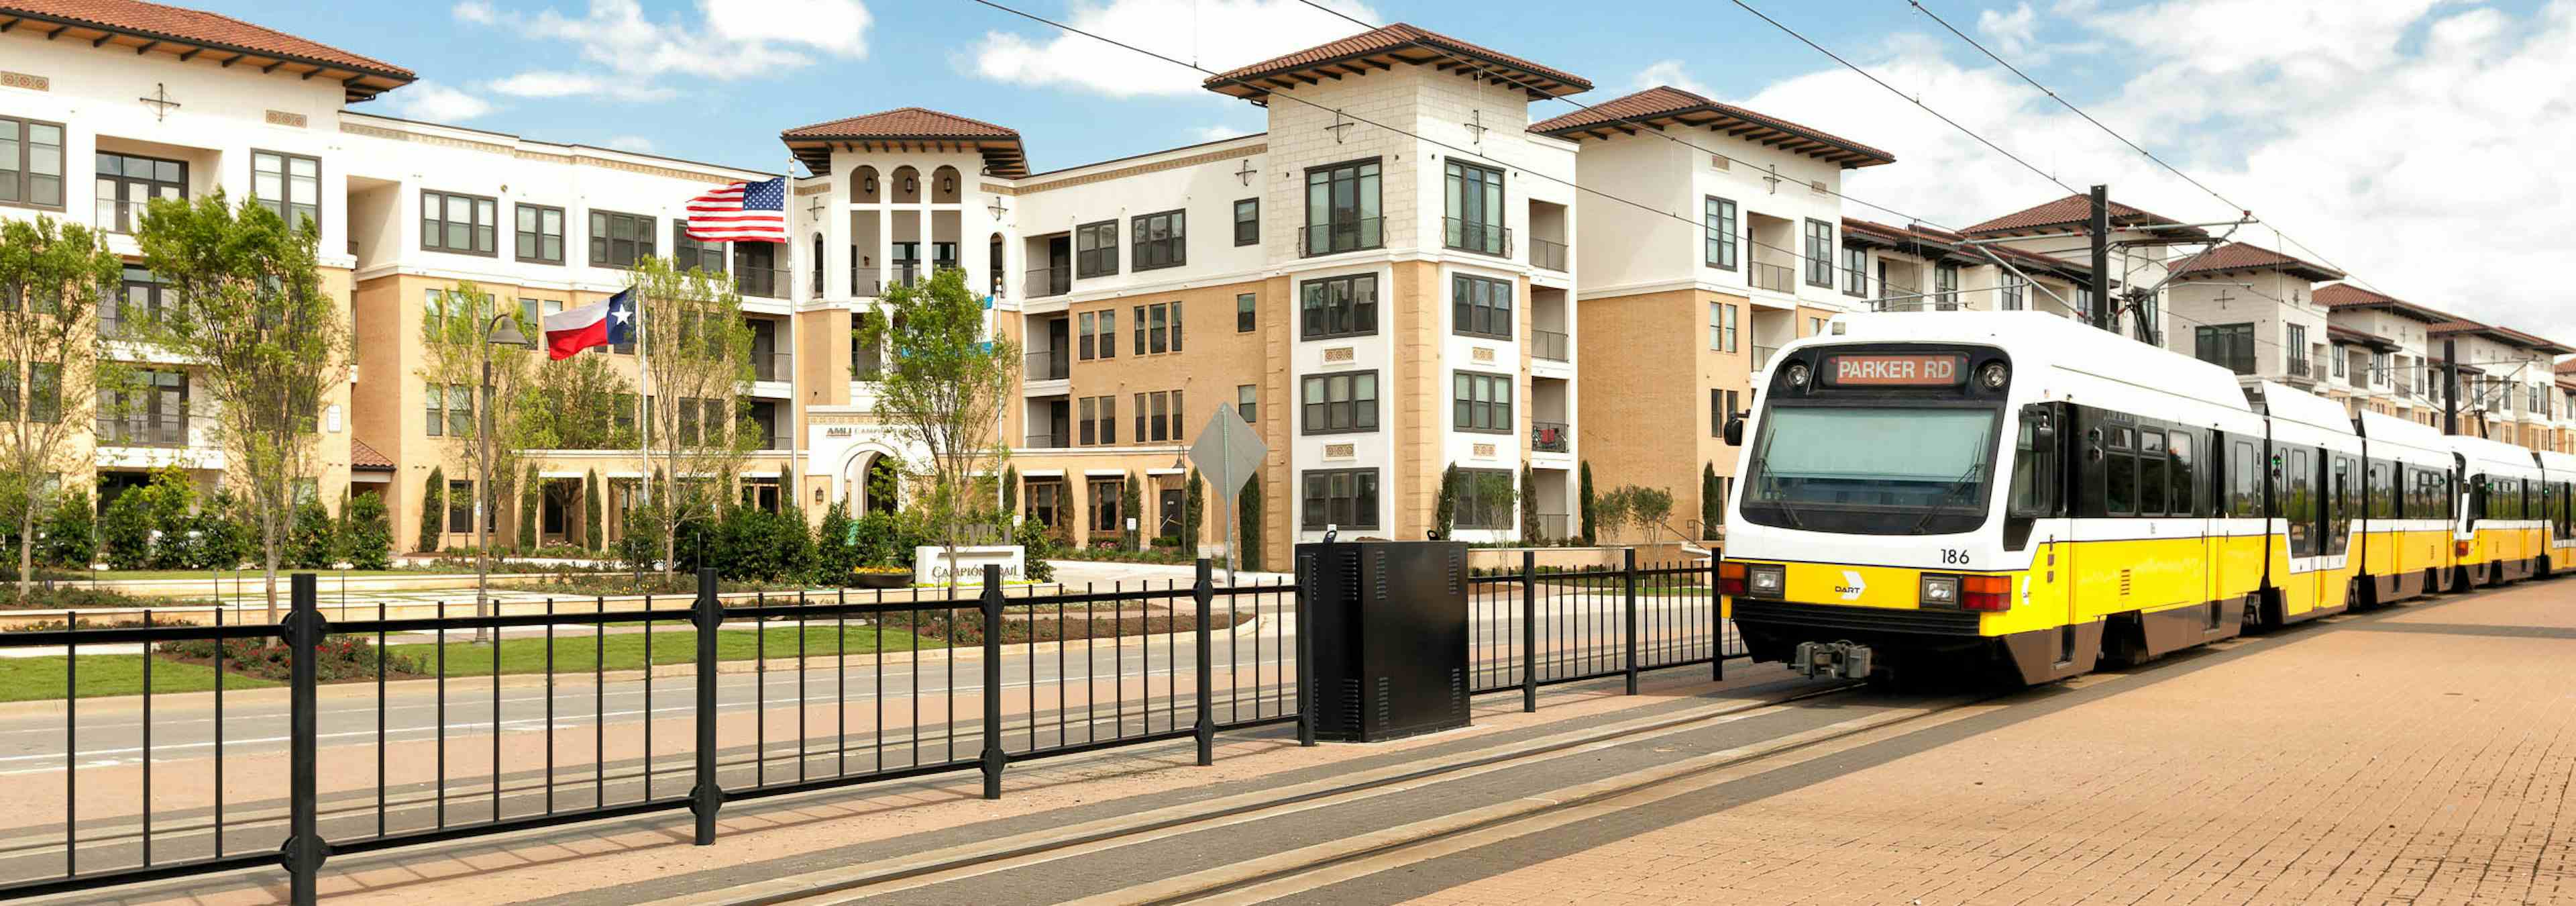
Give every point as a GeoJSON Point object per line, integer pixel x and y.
{"type": "Point", "coordinates": [502, 330]}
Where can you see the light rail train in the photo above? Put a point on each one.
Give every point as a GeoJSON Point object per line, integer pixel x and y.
{"type": "Point", "coordinates": [2023, 493]}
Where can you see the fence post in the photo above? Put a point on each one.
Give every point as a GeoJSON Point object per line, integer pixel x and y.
{"type": "Point", "coordinates": [1305, 650]}
{"type": "Point", "coordinates": [1529, 631]}
{"type": "Point", "coordinates": [1628, 578]}
{"type": "Point", "coordinates": [304, 850]}
{"type": "Point", "coordinates": [1716, 624]}
{"type": "Point", "coordinates": [708, 614]}
{"type": "Point", "coordinates": [1205, 591]}
{"type": "Point", "coordinates": [993, 759]}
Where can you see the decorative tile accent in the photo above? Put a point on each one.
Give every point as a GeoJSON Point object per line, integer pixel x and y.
{"type": "Point", "coordinates": [1484, 451]}
{"type": "Point", "coordinates": [1341, 451]}
{"type": "Point", "coordinates": [1340, 354]}
{"type": "Point", "coordinates": [283, 118]}
{"type": "Point", "coordinates": [1482, 353]}
{"type": "Point", "coordinates": [27, 81]}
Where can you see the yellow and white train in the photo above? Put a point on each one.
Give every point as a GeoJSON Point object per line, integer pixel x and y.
{"type": "Point", "coordinates": [1922, 492]}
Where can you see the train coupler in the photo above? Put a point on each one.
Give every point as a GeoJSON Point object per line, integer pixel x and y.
{"type": "Point", "coordinates": [1831, 659]}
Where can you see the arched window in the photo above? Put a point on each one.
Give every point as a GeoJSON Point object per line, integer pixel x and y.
{"type": "Point", "coordinates": [945, 185]}
{"type": "Point", "coordinates": [907, 185]}
{"type": "Point", "coordinates": [863, 186]}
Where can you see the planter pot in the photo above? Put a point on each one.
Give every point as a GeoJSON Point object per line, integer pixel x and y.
{"type": "Point", "coordinates": [881, 580]}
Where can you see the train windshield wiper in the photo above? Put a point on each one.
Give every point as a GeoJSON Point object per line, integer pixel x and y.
{"type": "Point", "coordinates": [1948, 493]}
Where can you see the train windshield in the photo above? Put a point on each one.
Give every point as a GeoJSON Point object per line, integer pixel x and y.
{"type": "Point", "coordinates": [1872, 470]}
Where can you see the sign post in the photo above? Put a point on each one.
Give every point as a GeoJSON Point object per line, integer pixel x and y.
{"type": "Point", "coordinates": [1229, 451]}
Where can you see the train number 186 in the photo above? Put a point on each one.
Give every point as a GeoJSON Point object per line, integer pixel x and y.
{"type": "Point", "coordinates": [1951, 556]}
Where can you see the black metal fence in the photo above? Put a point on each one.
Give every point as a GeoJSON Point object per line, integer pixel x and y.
{"type": "Point", "coordinates": [578, 712]}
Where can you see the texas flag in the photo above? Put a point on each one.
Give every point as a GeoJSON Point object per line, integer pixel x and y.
{"type": "Point", "coordinates": [572, 330]}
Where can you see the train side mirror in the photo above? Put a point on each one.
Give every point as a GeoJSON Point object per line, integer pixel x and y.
{"type": "Point", "coordinates": [1735, 430]}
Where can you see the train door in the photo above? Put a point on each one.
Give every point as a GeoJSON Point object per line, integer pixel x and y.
{"type": "Point", "coordinates": [2343, 511]}
{"type": "Point", "coordinates": [2302, 474]}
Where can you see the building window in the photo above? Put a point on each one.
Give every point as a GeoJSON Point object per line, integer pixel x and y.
{"type": "Point", "coordinates": [2338, 364]}
{"type": "Point", "coordinates": [2015, 294]}
{"type": "Point", "coordinates": [288, 185]}
{"type": "Point", "coordinates": [138, 304]}
{"type": "Point", "coordinates": [1945, 287]}
{"type": "Point", "coordinates": [31, 163]}
{"type": "Point", "coordinates": [463, 224]}
{"type": "Point", "coordinates": [1820, 254]}
{"type": "Point", "coordinates": [1482, 402]}
{"type": "Point", "coordinates": [1481, 306]}
{"type": "Point", "coordinates": [1342, 208]}
{"type": "Point", "coordinates": [541, 233]}
{"type": "Point", "coordinates": [1342, 498]}
{"type": "Point", "coordinates": [1855, 271]}
{"type": "Point", "coordinates": [460, 506]}
{"type": "Point", "coordinates": [1158, 416]}
{"type": "Point", "coordinates": [1721, 406]}
{"type": "Point", "coordinates": [1247, 221]}
{"type": "Point", "coordinates": [1340, 403]}
{"type": "Point", "coordinates": [619, 240]}
{"type": "Point", "coordinates": [151, 410]}
{"type": "Point", "coordinates": [1046, 502]}
{"type": "Point", "coordinates": [43, 401]}
{"type": "Point", "coordinates": [1243, 307]}
{"type": "Point", "coordinates": [1474, 196]}
{"type": "Point", "coordinates": [1247, 402]}
{"type": "Point", "coordinates": [1158, 327]}
{"type": "Point", "coordinates": [1099, 420]}
{"type": "Point", "coordinates": [1162, 240]}
{"type": "Point", "coordinates": [1717, 232]}
{"type": "Point", "coordinates": [1106, 494]}
{"type": "Point", "coordinates": [1095, 249]}
{"type": "Point", "coordinates": [2231, 345]}
{"type": "Point", "coordinates": [688, 254]}
{"type": "Point", "coordinates": [1096, 335]}
{"type": "Point", "coordinates": [1721, 327]}
{"type": "Point", "coordinates": [2297, 348]}
{"type": "Point", "coordinates": [755, 268]}
{"type": "Point", "coordinates": [1339, 307]}
{"type": "Point", "coordinates": [127, 183]}
{"type": "Point", "coordinates": [1484, 500]}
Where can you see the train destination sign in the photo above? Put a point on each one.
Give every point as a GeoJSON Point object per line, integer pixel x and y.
{"type": "Point", "coordinates": [1896, 370]}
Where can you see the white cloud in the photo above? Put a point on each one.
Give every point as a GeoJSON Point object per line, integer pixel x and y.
{"type": "Point", "coordinates": [1215, 34]}
{"type": "Point", "coordinates": [1673, 73]}
{"type": "Point", "coordinates": [633, 52]}
{"type": "Point", "coordinates": [437, 103]}
{"type": "Point", "coordinates": [2423, 165]}
{"type": "Point", "coordinates": [2013, 33]}
{"type": "Point", "coordinates": [635, 143]}
{"type": "Point", "coordinates": [1220, 133]}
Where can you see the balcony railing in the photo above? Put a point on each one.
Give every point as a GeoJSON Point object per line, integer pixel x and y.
{"type": "Point", "coordinates": [2297, 367]}
{"type": "Point", "coordinates": [1550, 437]}
{"type": "Point", "coordinates": [1052, 280]}
{"type": "Point", "coordinates": [114, 216]}
{"type": "Point", "coordinates": [774, 440]}
{"type": "Point", "coordinates": [1547, 254]}
{"type": "Point", "coordinates": [869, 282]}
{"type": "Point", "coordinates": [1773, 277]}
{"type": "Point", "coordinates": [1552, 525]}
{"type": "Point", "coordinates": [764, 282]}
{"type": "Point", "coordinates": [773, 366]}
{"type": "Point", "coordinates": [1342, 236]}
{"type": "Point", "coordinates": [1048, 365]}
{"type": "Point", "coordinates": [1762, 356]}
{"type": "Point", "coordinates": [1476, 236]}
{"type": "Point", "coordinates": [144, 430]}
{"type": "Point", "coordinates": [1045, 442]}
{"type": "Point", "coordinates": [1551, 345]}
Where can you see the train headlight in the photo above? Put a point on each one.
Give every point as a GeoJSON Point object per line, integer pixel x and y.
{"type": "Point", "coordinates": [1766, 581]}
{"type": "Point", "coordinates": [1798, 375]}
{"type": "Point", "coordinates": [1994, 376]}
{"type": "Point", "coordinates": [1941, 591]}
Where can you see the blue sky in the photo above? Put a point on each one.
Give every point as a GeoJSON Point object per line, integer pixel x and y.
{"type": "Point", "coordinates": [2389, 137]}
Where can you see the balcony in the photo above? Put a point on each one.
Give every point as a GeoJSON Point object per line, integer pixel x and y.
{"type": "Point", "coordinates": [1762, 356]}
{"type": "Point", "coordinates": [1342, 236]}
{"type": "Point", "coordinates": [764, 282]}
{"type": "Point", "coordinates": [1773, 277]}
{"type": "Point", "coordinates": [773, 366]}
{"type": "Point", "coordinates": [1476, 236]}
{"type": "Point", "coordinates": [1553, 525]}
{"type": "Point", "coordinates": [1551, 345]}
{"type": "Point", "coordinates": [869, 282]}
{"type": "Point", "coordinates": [144, 429]}
{"type": "Point", "coordinates": [1048, 365]}
{"type": "Point", "coordinates": [121, 216]}
{"type": "Point", "coordinates": [1551, 437]}
{"type": "Point", "coordinates": [1548, 254]}
{"type": "Point", "coordinates": [1046, 442]}
{"type": "Point", "coordinates": [1052, 280]}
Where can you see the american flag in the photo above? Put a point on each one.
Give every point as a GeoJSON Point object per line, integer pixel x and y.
{"type": "Point", "coordinates": [741, 212]}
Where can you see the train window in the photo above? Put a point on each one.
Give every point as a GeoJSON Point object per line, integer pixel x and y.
{"type": "Point", "coordinates": [2340, 509]}
{"type": "Point", "coordinates": [2034, 469]}
{"type": "Point", "coordinates": [2120, 474]}
{"type": "Point", "coordinates": [2299, 505]}
{"type": "Point", "coordinates": [2383, 493]}
{"type": "Point", "coordinates": [2151, 473]}
{"type": "Point", "coordinates": [2244, 482]}
{"type": "Point", "coordinates": [2184, 489]}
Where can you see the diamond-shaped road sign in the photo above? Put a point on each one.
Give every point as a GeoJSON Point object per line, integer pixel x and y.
{"type": "Point", "coordinates": [1227, 452]}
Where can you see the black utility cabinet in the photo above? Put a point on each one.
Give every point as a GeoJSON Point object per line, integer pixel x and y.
{"type": "Point", "coordinates": [1389, 637]}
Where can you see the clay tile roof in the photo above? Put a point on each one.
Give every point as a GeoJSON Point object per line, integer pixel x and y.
{"type": "Point", "coordinates": [1380, 49]}
{"type": "Point", "coordinates": [2567, 367]}
{"type": "Point", "coordinates": [1937, 244]}
{"type": "Point", "coordinates": [1669, 104]}
{"type": "Point", "coordinates": [911, 125]}
{"type": "Point", "coordinates": [180, 31]}
{"type": "Point", "coordinates": [2338, 296]}
{"type": "Point", "coordinates": [364, 458]}
{"type": "Point", "coordinates": [2456, 327]}
{"type": "Point", "coordinates": [2340, 334]}
{"type": "Point", "coordinates": [2238, 256]}
{"type": "Point", "coordinates": [2073, 211]}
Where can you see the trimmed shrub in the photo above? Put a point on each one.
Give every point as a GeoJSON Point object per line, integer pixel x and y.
{"type": "Point", "coordinates": [69, 531]}
{"type": "Point", "coordinates": [433, 510]}
{"type": "Point", "coordinates": [594, 533]}
{"type": "Point", "coordinates": [311, 540]}
{"type": "Point", "coordinates": [367, 532]}
{"type": "Point", "coordinates": [125, 532]}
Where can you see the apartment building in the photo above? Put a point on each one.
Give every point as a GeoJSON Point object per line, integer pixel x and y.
{"type": "Point", "coordinates": [2141, 243]}
{"type": "Point", "coordinates": [2386, 343]}
{"type": "Point", "coordinates": [2508, 385]}
{"type": "Point", "coordinates": [2254, 310]}
{"type": "Point", "coordinates": [1917, 268]}
{"type": "Point", "coordinates": [1672, 308]}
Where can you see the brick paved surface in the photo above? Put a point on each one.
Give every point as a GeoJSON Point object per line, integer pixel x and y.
{"type": "Point", "coordinates": [2419, 756]}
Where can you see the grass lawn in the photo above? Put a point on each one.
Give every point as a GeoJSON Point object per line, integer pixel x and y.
{"type": "Point", "coordinates": [252, 577]}
{"type": "Point", "coordinates": [579, 654]}
{"type": "Point", "coordinates": [37, 678]}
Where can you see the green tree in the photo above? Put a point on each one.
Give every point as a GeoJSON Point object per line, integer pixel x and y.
{"type": "Point", "coordinates": [1444, 509]}
{"type": "Point", "coordinates": [51, 369]}
{"type": "Point", "coordinates": [314, 542]}
{"type": "Point", "coordinates": [167, 503]}
{"type": "Point", "coordinates": [594, 533]}
{"type": "Point", "coordinates": [1011, 493]}
{"type": "Point", "coordinates": [71, 532]}
{"type": "Point", "coordinates": [1649, 507]}
{"type": "Point", "coordinates": [579, 403]}
{"type": "Point", "coordinates": [1131, 503]}
{"type": "Point", "coordinates": [433, 510]}
{"type": "Point", "coordinates": [244, 305]}
{"type": "Point", "coordinates": [1193, 510]}
{"type": "Point", "coordinates": [368, 535]}
{"type": "Point", "coordinates": [1531, 532]}
{"type": "Point", "coordinates": [1248, 522]}
{"type": "Point", "coordinates": [1588, 503]}
{"type": "Point", "coordinates": [457, 355]}
{"type": "Point", "coordinates": [224, 538]}
{"type": "Point", "coordinates": [125, 532]}
{"type": "Point", "coordinates": [1612, 511]}
{"type": "Point", "coordinates": [1712, 502]}
{"type": "Point", "coordinates": [531, 489]}
{"type": "Point", "coordinates": [944, 391]}
{"type": "Point", "coordinates": [836, 552]}
{"type": "Point", "coordinates": [697, 359]}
